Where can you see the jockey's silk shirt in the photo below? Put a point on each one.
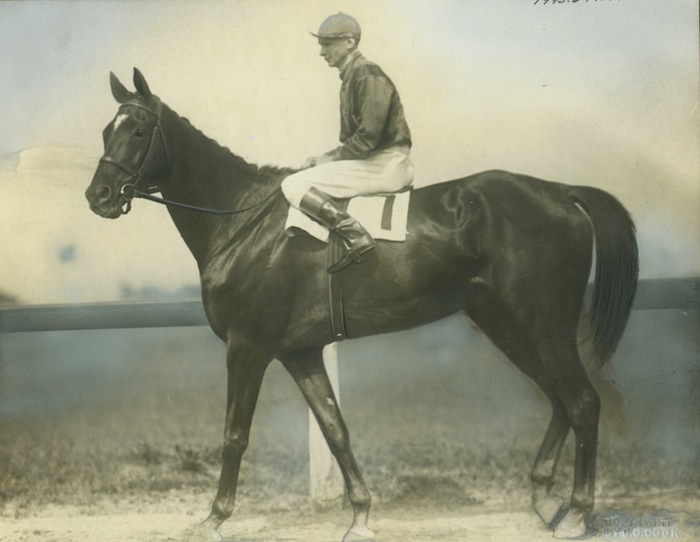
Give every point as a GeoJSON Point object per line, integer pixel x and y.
{"type": "Point", "coordinates": [371, 114]}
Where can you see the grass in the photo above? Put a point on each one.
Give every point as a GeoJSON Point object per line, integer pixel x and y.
{"type": "Point", "coordinates": [462, 436]}
{"type": "Point", "coordinates": [39, 466]}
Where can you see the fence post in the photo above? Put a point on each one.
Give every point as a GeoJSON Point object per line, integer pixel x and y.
{"type": "Point", "coordinates": [326, 482]}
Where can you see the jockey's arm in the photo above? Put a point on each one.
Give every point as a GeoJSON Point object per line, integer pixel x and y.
{"type": "Point", "coordinates": [375, 106]}
{"type": "Point", "coordinates": [375, 93]}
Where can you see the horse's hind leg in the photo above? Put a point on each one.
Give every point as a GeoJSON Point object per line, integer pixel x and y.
{"type": "Point", "coordinates": [308, 371]}
{"type": "Point", "coordinates": [486, 308]}
{"type": "Point", "coordinates": [575, 405]}
{"type": "Point", "coordinates": [544, 503]}
{"type": "Point", "coordinates": [582, 406]}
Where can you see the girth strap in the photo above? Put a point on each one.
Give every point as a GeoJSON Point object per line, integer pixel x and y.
{"type": "Point", "coordinates": [335, 252]}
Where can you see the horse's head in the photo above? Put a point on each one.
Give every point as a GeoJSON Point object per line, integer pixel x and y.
{"type": "Point", "coordinates": [136, 154]}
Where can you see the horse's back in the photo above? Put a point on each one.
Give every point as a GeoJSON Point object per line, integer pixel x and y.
{"type": "Point", "coordinates": [496, 212]}
{"type": "Point", "coordinates": [496, 187]}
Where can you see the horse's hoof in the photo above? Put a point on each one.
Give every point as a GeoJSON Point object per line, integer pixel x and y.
{"type": "Point", "coordinates": [359, 534]}
{"type": "Point", "coordinates": [572, 526]}
{"type": "Point", "coordinates": [547, 507]}
{"type": "Point", "coordinates": [204, 533]}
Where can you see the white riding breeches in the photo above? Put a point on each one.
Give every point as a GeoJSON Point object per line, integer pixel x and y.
{"type": "Point", "coordinates": [386, 171]}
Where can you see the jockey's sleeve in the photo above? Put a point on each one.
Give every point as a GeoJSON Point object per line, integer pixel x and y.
{"type": "Point", "coordinates": [375, 93]}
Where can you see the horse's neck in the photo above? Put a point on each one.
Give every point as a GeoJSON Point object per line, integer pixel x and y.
{"type": "Point", "coordinates": [206, 175]}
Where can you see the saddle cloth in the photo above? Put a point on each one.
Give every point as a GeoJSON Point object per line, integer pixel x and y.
{"type": "Point", "coordinates": [383, 216]}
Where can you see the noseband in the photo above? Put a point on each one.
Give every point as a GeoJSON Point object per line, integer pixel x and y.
{"type": "Point", "coordinates": [129, 190]}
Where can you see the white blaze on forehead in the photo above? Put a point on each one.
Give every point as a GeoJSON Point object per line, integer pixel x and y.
{"type": "Point", "coordinates": [120, 118]}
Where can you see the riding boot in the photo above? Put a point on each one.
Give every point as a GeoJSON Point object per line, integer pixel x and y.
{"type": "Point", "coordinates": [358, 241]}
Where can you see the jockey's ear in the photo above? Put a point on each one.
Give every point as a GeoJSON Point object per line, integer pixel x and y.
{"type": "Point", "coordinates": [119, 91]}
{"type": "Point", "coordinates": [141, 85]}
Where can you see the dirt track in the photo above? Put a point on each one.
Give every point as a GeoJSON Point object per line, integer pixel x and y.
{"type": "Point", "coordinates": [177, 527]}
{"type": "Point", "coordinates": [173, 520]}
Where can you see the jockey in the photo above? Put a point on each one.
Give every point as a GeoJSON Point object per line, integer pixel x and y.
{"type": "Point", "coordinates": [374, 157]}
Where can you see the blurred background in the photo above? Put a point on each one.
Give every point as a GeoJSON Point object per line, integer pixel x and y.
{"type": "Point", "coordinates": [596, 93]}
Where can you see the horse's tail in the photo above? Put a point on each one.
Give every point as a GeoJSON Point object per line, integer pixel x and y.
{"type": "Point", "coordinates": [617, 267]}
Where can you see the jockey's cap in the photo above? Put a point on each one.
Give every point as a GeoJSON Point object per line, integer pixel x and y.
{"type": "Point", "coordinates": [340, 25]}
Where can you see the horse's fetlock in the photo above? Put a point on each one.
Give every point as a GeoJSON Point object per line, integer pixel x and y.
{"type": "Point", "coordinates": [362, 502]}
{"type": "Point", "coordinates": [582, 503]}
{"type": "Point", "coordinates": [220, 512]}
{"type": "Point", "coordinates": [543, 474]}
{"type": "Point", "coordinates": [541, 482]}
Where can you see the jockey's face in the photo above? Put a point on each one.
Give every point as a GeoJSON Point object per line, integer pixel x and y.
{"type": "Point", "coordinates": [335, 50]}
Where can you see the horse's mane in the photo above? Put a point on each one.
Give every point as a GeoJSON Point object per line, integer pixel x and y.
{"type": "Point", "coordinates": [276, 171]}
{"type": "Point", "coordinates": [260, 173]}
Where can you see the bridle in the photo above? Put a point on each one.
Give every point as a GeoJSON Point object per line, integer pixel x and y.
{"type": "Point", "coordinates": [129, 191]}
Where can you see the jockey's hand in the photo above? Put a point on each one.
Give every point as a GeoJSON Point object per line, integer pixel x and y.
{"type": "Point", "coordinates": [316, 161]}
{"type": "Point", "coordinates": [323, 159]}
{"type": "Point", "coordinates": [310, 162]}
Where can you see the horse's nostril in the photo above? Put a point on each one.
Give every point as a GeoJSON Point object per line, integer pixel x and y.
{"type": "Point", "coordinates": [103, 192]}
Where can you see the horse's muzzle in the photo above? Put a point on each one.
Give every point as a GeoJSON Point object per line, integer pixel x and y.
{"type": "Point", "coordinates": [102, 202]}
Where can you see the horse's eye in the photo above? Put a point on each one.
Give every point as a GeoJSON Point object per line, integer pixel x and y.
{"type": "Point", "coordinates": [140, 132]}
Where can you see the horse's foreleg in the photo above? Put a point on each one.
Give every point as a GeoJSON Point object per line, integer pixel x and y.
{"type": "Point", "coordinates": [246, 368]}
{"type": "Point", "coordinates": [544, 503]}
{"type": "Point", "coordinates": [308, 371]}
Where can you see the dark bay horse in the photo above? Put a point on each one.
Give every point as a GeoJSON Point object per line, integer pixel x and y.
{"type": "Point", "coordinates": [511, 251]}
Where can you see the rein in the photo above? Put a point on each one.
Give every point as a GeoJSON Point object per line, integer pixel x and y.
{"type": "Point", "coordinates": [129, 191]}
{"type": "Point", "coordinates": [220, 212]}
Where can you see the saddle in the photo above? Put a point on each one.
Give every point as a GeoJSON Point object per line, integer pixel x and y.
{"type": "Point", "coordinates": [384, 216]}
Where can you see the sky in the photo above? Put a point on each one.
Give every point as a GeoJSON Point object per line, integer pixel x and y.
{"type": "Point", "coordinates": [599, 93]}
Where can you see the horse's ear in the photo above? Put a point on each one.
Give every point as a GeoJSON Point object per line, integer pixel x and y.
{"type": "Point", "coordinates": [119, 91]}
{"type": "Point", "coordinates": [141, 85]}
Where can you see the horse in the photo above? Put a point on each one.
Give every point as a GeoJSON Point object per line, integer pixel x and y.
{"type": "Point", "coordinates": [511, 251]}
